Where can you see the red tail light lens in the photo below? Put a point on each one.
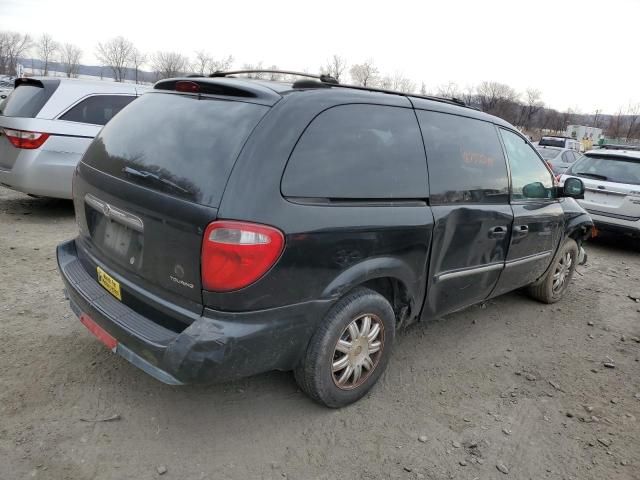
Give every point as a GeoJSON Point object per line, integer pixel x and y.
{"type": "Point", "coordinates": [236, 254]}
{"type": "Point", "coordinates": [184, 86]}
{"type": "Point", "coordinates": [24, 139]}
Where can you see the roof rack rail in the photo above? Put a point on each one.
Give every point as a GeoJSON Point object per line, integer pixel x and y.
{"type": "Point", "coordinates": [328, 80]}
{"type": "Point", "coordinates": [323, 78]}
{"type": "Point", "coordinates": [453, 101]}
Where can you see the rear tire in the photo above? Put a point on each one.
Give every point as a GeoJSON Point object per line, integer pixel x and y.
{"type": "Point", "coordinates": [350, 349]}
{"type": "Point", "coordinates": [552, 287]}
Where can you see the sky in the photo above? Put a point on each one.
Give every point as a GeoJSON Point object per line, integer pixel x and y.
{"type": "Point", "coordinates": [581, 55]}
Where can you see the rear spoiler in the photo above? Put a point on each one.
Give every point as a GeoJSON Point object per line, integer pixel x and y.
{"type": "Point", "coordinates": [221, 87]}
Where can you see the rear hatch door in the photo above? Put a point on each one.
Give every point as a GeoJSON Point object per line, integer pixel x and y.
{"type": "Point", "coordinates": [23, 111]}
{"type": "Point", "coordinates": [150, 183]}
{"type": "Point", "coordinates": [612, 185]}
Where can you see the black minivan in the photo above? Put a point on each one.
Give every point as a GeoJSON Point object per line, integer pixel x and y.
{"type": "Point", "coordinates": [230, 226]}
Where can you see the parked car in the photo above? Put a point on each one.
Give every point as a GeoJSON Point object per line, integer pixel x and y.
{"type": "Point", "coordinates": [561, 142]}
{"type": "Point", "coordinates": [612, 188]}
{"type": "Point", "coordinates": [6, 86]}
{"type": "Point", "coordinates": [46, 124]}
{"type": "Point", "coordinates": [232, 226]}
{"type": "Point", "coordinates": [559, 159]}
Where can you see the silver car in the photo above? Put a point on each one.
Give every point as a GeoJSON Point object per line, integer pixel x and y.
{"type": "Point", "coordinates": [558, 158]}
{"type": "Point", "coordinates": [46, 124]}
{"type": "Point", "coordinates": [612, 188]}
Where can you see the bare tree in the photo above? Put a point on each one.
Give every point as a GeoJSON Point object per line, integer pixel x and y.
{"type": "Point", "coordinates": [169, 64]}
{"type": "Point", "coordinates": [334, 67]}
{"type": "Point", "coordinates": [449, 90]}
{"type": "Point", "coordinates": [46, 49]}
{"type": "Point", "coordinates": [116, 54]}
{"type": "Point", "coordinates": [70, 59]}
{"type": "Point", "coordinates": [137, 59]}
{"type": "Point", "coordinates": [222, 64]}
{"type": "Point", "coordinates": [364, 74]}
{"type": "Point", "coordinates": [533, 104]}
{"type": "Point", "coordinates": [423, 89]}
{"type": "Point", "coordinates": [633, 115]}
{"type": "Point", "coordinates": [498, 99]}
{"type": "Point", "coordinates": [13, 45]}
{"type": "Point", "coordinates": [257, 66]}
{"type": "Point", "coordinates": [203, 62]}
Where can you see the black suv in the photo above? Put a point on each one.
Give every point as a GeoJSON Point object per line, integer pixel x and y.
{"type": "Point", "coordinates": [231, 226]}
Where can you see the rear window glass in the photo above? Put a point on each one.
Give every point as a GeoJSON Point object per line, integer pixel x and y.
{"type": "Point", "coordinates": [359, 152]}
{"type": "Point", "coordinates": [182, 145]}
{"type": "Point", "coordinates": [608, 169]}
{"type": "Point", "coordinates": [97, 110]}
{"type": "Point", "coordinates": [466, 163]}
{"type": "Point", "coordinates": [548, 153]}
{"type": "Point", "coordinates": [27, 100]}
{"type": "Point", "coordinates": [552, 142]}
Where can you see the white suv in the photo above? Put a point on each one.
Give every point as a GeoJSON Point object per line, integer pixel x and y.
{"type": "Point", "coordinates": [46, 124]}
{"type": "Point", "coordinates": [612, 188]}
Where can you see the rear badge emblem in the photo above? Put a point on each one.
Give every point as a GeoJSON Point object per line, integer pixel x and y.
{"type": "Point", "coordinates": [132, 260]}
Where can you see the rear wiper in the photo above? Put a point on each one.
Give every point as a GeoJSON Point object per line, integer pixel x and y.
{"type": "Point", "coordinates": [145, 174]}
{"type": "Point", "coordinates": [592, 175]}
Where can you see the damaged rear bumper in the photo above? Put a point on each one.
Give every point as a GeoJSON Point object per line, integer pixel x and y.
{"type": "Point", "coordinates": [218, 346]}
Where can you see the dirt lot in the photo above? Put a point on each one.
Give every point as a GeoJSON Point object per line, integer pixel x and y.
{"type": "Point", "coordinates": [512, 383]}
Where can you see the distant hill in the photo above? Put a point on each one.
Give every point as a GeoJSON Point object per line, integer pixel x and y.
{"type": "Point", "coordinates": [87, 70]}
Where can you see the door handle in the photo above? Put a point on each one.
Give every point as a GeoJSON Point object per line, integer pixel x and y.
{"type": "Point", "coordinates": [521, 230]}
{"type": "Point", "coordinates": [498, 232]}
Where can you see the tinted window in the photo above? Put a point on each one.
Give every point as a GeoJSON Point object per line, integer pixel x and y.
{"type": "Point", "coordinates": [179, 144]}
{"type": "Point", "coordinates": [552, 142]}
{"type": "Point", "coordinates": [609, 169]}
{"type": "Point", "coordinates": [530, 178]}
{"type": "Point", "coordinates": [466, 163]}
{"type": "Point", "coordinates": [98, 109]}
{"type": "Point", "coordinates": [27, 99]}
{"type": "Point", "coordinates": [359, 151]}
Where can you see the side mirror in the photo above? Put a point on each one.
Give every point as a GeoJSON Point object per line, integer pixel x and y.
{"type": "Point", "coordinates": [573, 187]}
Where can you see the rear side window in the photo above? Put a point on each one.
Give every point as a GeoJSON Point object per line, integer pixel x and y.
{"type": "Point", "coordinates": [98, 109]}
{"type": "Point", "coordinates": [466, 163]}
{"type": "Point", "coordinates": [359, 152]}
{"type": "Point", "coordinates": [183, 145]}
{"type": "Point", "coordinates": [27, 99]}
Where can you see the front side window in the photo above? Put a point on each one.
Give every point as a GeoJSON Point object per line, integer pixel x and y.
{"type": "Point", "coordinates": [466, 163]}
{"type": "Point", "coordinates": [359, 151]}
{"type": "Point", "coordinates": [98, 109]}
{"type": "Point", "coordinates": [530, 178]}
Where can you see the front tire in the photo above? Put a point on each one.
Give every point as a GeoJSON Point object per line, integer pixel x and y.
{"type": "Point", "coordinates": [552, 287]}
{"type": "Point", "coordinates": [349, 351]}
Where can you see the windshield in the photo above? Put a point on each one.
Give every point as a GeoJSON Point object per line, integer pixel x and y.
{"type": "Point", "coordinates": [552, 142]}
{"type": "Point", "coordinates": [183, 145]}
{"type": "Point", "coordinates": [608, 169]}
{"type": "Point", "coordinates": [548, 153]}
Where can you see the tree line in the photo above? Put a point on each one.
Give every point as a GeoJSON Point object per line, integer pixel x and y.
{"type": "Point", "coordinates": [122, 61]}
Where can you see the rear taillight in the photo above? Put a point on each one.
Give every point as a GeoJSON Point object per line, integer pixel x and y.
{"type": "Point", "coordinates": [236, 254]}
{"type": "Point", "coordinates": [25, 139]}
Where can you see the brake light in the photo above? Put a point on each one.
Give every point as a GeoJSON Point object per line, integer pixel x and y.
{"type": "Point", "coordinates": [236, 254]}
{"type": "Point", "coordinates": [184, 86]}
{"type": "Point", "coordinates": [25, 139]}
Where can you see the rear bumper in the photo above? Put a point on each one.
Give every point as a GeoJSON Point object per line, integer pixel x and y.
{"type": "Point", "coordinates": [219, 346]}
{"type": "Point", "coordinates": [615, 225]}
{"type": "Point", "coordinates": [41, 172]}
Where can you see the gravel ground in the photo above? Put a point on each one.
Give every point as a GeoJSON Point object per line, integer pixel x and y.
{"type": "Point", "coordinates": [510, 389]}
